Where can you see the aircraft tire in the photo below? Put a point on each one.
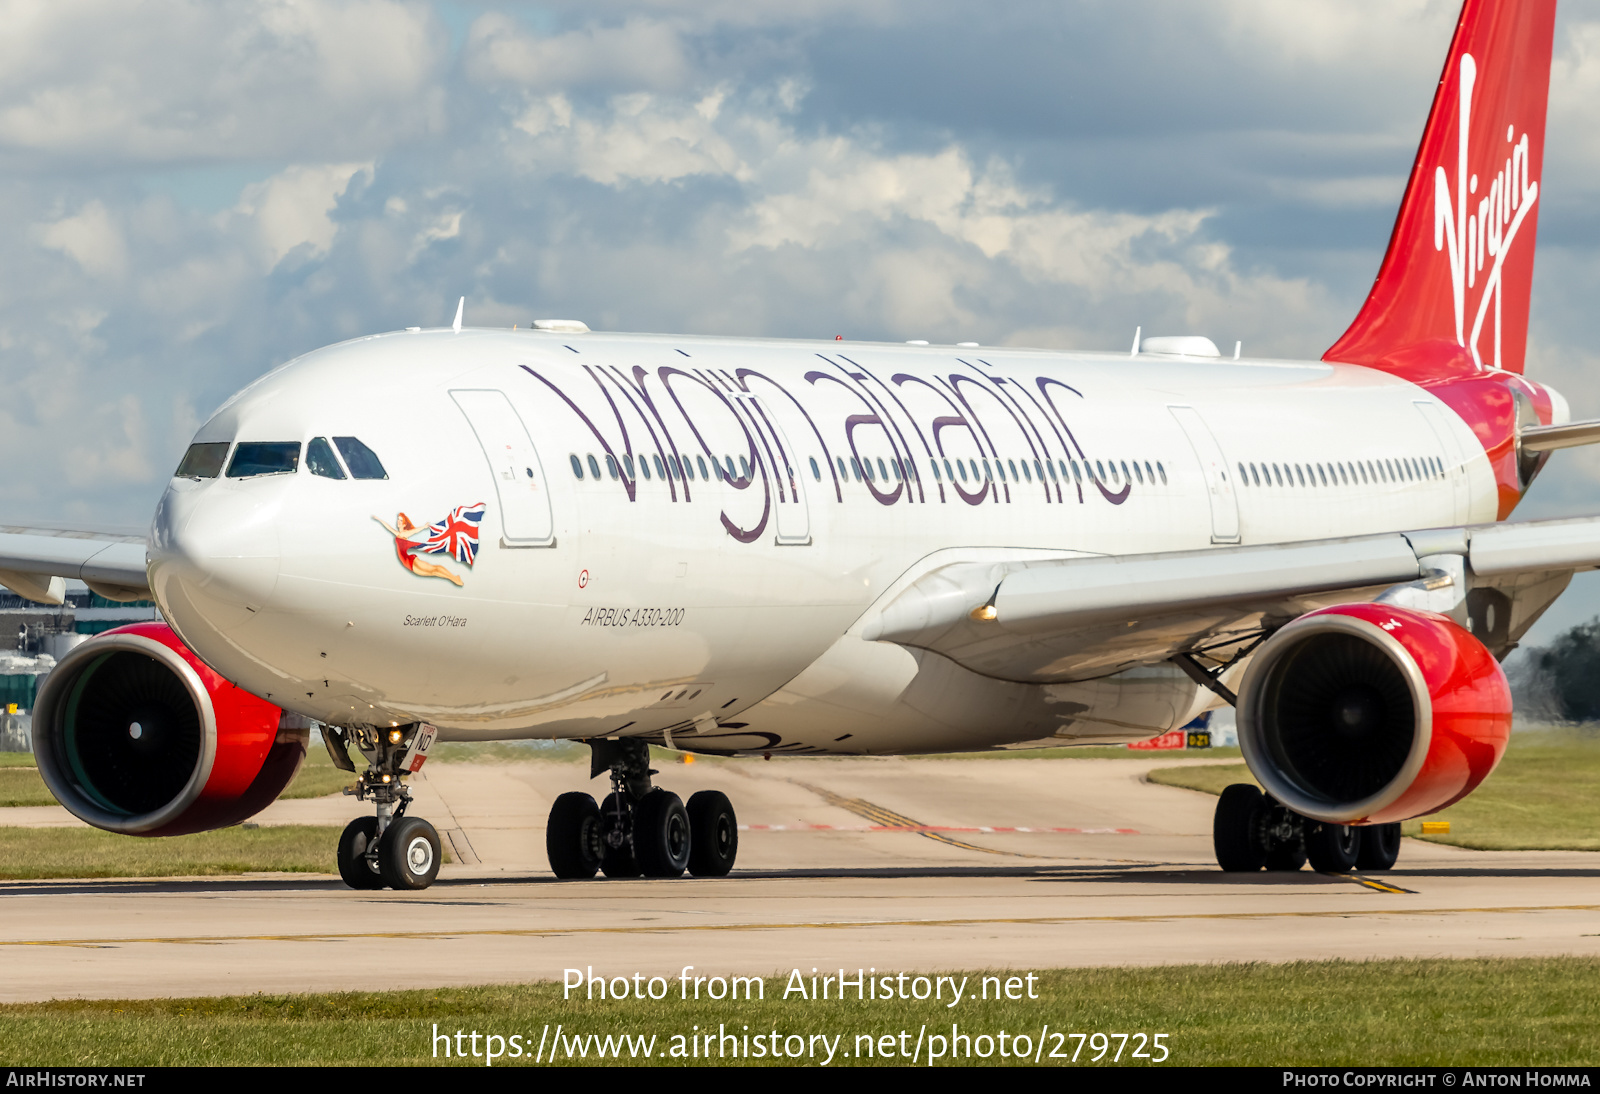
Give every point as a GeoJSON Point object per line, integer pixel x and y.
{"type": "Point", "coordinates": [713, 834]}
{"type": "Point", "coordinates": [354, 868]}
{"type": "Point", "coordinates": [1332, 848]}
{"type": "Point", "coordinates": [409, 854]}
{"type": "Point", "coordinates": [617, 861]}
{"type": "Point", "coordinates": [661, 836]}
{"type": "Point", "coordinates": [1233, 829]}
{"type": "Point", "coordinates": [572, 836]}
{"type": "Point", "coordinates": [1380, 847]}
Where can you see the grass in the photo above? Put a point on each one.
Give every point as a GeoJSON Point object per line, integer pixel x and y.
{"type": "Point", "coordinates": [1419, 1013]}
{"type": "Point", "coordinates": [1090, 752]}
{"type": "Point", "coordinates": [30, 853]}
{"type": "Point", "coordinates": [22, 785]}
{"type": "Point", "coordinates": [1545, 795]}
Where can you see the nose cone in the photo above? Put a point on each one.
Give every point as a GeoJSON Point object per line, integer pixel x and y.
{"type": "Point", "coordinates": [214, 552]}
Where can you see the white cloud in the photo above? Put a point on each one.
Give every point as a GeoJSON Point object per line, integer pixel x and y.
{"type": "Point", "coordinates": [92, 238]}
{"type": "Point", "coordinates": [291, 208]}
{"type": "Point", "coordinates": [194, 80]}
{"type": "Point", "coordinates": [640, 53]}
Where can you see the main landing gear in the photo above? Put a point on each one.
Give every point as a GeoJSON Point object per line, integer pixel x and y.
{"type": "Point", "coordinates": [1251, 830]}
{"type": "Point", "coordinates": [639, 829]}
{"type": "Point", "coordinates": [389, 849]}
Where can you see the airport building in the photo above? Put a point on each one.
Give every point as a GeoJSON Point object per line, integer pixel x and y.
{"type": "Point", "coordinates": [34, 636]}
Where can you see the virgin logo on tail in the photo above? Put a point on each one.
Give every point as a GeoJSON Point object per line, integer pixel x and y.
{"type": "Point", "coordinates": [1483, 237]}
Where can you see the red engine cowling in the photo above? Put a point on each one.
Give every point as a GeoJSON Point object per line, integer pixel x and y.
{"type": "Point", "coordinates": [134, 734]}
{"type": "Point", "coordinates": [1367, 714]}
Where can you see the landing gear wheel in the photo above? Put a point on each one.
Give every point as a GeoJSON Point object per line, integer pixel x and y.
{"type": "Point", "coordinates": [409, 854]}
{"type": "Point", "coordinates": [354, 866]}
{"type": "Point", "coordinates": [572, 836]}
{"type": "Point", "coordinates": [661, 834]}
{"type": "Point", "coordinates": [1380, 846]}
{"type": "Point", "coordinates": [616, 853]}
{"type": "Point", "coordinates": [1332, 848]}
{"type": "Point", "coordinates": [1235, 827]}
{"type": "Point", "coordinates": [713, 834]}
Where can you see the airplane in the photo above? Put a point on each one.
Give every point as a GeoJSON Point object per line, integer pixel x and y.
{"type": "Point", "coordinates": [740, 546]}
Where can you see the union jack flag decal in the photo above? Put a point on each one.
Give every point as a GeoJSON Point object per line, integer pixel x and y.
{"type": "Point", "coordinates": [456, 535]}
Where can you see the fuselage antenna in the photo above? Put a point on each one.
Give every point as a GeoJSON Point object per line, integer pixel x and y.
{"type": "Point", "coordinates": [1237, 347]}
{"type": "Point", "coordinates": [1136, 332]}
{"type": "Point", "coordinates": [460, 307]}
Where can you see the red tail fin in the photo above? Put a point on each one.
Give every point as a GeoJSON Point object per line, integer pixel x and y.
{"type": "Point", "coordinates": [1452, 294]}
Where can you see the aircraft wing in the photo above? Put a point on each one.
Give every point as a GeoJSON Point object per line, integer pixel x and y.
{"type": "Point", "coordinates": [1054, 620]}
{"type": "Point", "coordinates": [35, 563]}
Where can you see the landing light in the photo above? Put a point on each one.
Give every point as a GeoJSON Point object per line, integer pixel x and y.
{"type": "Point", "coordinates": [985, 614]}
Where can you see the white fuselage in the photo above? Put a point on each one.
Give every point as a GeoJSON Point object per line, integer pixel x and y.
{"type": "Point", "coordinates": [721, 608]}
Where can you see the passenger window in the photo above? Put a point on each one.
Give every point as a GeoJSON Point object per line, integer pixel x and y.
{"type": "Point", "coordinates": [894, 465]}
{"type": "Point", "coordinates": [627, 466]}
{"type": "Point", "coordinates": [816, 472]}
{"type": "Point", "coordinates": [611, 466]}
{"type": "Point", "coordinates": [935, 465]}
{"type": "Point", "coordinates": [594, 467]}
{"type": "Point", "coordinates": [204, 461]}
{"type": "Point", "coordinates": [961, 467]}
{"type": "Point", "coordinates": [844, 472]}
{"type": "Point", "coordinates": [951, 475]}
{"type": "Point", "coordinates": [644, 467]}
{"type": "Point", "coordinates": [320, 459]}
{"type": "Point", "coordinates": [744, 467]}
{"type": "Point", "coordinates": [577, 467]}
{"type": "Point", "coordinates": [362, 461]}
{"type": "Point", "coordinates": [868, 469]}
{"type": "Point", "coordinates": [701, 460]}
{"type": "Point", "coordinates": [883, 472]}
{"type": "Point", "coordinates": [988, 475]}
{"type": "Point", "coordinates": [264, 458]}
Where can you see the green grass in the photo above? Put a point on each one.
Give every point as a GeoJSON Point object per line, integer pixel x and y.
{"type": "Point", "coordinates": [16, 759]}
{"type": "Point", "coordinates": [28, 853]}
{"type": "Point", "coordinates": [1545, 795]}
{"type": "Point", "coordinates": [317, 777]}
{"type": "Point", "coordinates": [1416, 1013]}
{"type": "Point", "coordinates": [1090, 752]}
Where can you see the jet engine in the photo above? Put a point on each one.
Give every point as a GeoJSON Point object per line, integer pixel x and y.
{"type": "Point", "coordinates": [134, 734]}
{"type": "Point", "coordinates": [1369, 714]}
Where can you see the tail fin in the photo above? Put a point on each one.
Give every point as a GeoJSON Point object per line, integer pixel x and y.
{"type": "Point", "coordinates": [1452, 294]}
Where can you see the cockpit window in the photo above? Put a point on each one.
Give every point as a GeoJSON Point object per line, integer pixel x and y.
{"type": "Point", "coordinates": [361, 460]}
{"type": "Point", "coordinates": [203, 461]}
{"type": "Point", "coordinates": [320, 459]}
{"type": "Point", "coordinates": [264, 458]}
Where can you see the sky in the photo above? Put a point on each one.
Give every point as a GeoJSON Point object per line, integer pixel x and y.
{"type": "Point", "coordinates": [198, 190]}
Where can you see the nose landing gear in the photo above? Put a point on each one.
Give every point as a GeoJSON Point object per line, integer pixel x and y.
{"type": "Point", "coordinates": [639, 829]}
{"type": "Point", "coordinates": [1250, 831]}
{"type": "Point", "coordinates": [387, 849]}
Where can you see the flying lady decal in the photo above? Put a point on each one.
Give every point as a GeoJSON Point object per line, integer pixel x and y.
{"type": "Point", "coordinates": [456, 535]}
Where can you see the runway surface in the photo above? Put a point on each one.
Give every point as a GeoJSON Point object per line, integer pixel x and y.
{"type": "Point", "coordinates": [860, 863]}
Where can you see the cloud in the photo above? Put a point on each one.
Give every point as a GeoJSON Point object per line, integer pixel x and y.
{"type": "Point", "coordinates": [90, 237]}
{"type": "Point", "coordinates": [290, 209]}
{"type": "Point", "coordinates": [199, 81]}
{"type": "Point", "coordinates": [1028, 174]}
